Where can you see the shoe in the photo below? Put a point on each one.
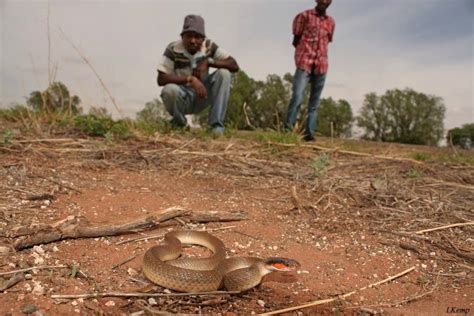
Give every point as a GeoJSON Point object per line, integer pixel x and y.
{"type": "Point", "coordinates": [309, 138]}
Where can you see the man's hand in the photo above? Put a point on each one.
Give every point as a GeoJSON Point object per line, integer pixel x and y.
{"type": "Point", "coordinates": [199, 87]}
{"type": "Point", "coordinates": [202, 69]}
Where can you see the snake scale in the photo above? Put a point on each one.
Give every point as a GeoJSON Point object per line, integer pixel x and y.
{"type": "Point", "coordinates": [162, 265]}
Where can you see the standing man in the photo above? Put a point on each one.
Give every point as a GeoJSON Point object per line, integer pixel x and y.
{"type": "Point", "coordinates": [184, 73]}
{"type": "Point", "coordinates": [312, 30]}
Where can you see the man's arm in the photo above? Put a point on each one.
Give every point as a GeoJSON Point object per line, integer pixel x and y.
{"type": "Point", "coordinates": [229, 63]}
{"type": "Point", "coordinates": [195, 83]}
{"type": "Point", "coordinates": [296, 40]}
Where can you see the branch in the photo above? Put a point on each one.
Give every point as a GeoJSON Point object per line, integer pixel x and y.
{"type": "Point", "coordinates": [78, 227]}
{"type": "Point", "coordinates": [320, 302]}
{"type": "Point", "coordinates": [443, 227]}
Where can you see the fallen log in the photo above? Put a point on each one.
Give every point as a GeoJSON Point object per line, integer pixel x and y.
{"type": "Point", "coordinates": [79, 227]}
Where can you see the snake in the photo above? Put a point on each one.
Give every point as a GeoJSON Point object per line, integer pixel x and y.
{"type": "Point", "coordinates": [163, 265]}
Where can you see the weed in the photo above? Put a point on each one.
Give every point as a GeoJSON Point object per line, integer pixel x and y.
{"type": "Point", "coordinates": [320, 164]}
{"type": "Point", "coordinates": [277, 137]}
{"type": "Point", "coordinates": [6, 136]}
{"type": "Point", "coordinates": [421, 156]}
{"type": "Point", "coordinates": [415, 174]}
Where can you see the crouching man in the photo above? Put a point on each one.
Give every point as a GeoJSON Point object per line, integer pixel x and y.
{"type": "Point", "coordinates": [188, 88]}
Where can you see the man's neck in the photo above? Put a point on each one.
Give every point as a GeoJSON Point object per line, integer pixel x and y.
{"type": "Point", "coordinates": [320, 13]}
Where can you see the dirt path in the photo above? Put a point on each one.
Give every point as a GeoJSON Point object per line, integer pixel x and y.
{"type": "Point", "coordinates": [342, 234]}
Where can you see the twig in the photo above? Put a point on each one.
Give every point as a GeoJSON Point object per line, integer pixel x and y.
{"type": "Point", "coordinates": [320, 302]}
{"type": "Point", "coordinates": [443, 227]}
{"type": "Point", "coordinates": [32, 268]}
{"type": "Point", "coordinates": [115, 266]}
{"type": "Point", "coordinates": [133, 294]}
{"type": "Point", "coordinates": [14, 280]}
{"type": "Point", "coordinates": [95, 72]}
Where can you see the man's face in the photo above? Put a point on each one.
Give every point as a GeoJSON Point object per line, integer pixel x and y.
{"type": "Point", "coordinates": [192, 42]}
{"type": "Point", "coordinates": [322, 5]}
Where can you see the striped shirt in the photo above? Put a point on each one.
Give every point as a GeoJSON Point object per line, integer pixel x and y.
{"type": "Point", "coordinates": [316, 32]}
{"type": "Point", "coordinates": [176, 60]}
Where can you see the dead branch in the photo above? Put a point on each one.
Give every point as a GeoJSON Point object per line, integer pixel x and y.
{"type": "Point", "coordinates": [443, 227]}
{"type": "Point", "coordinates": [32, 268]}
{"type": "Point", "coordinates": [320, 302]}
{"type": "Point", "coordinates": [119, 294]}
{"type": "Point", "coordinates": [79, 227]}
{"type": "Point", "coordinates": [11, 282]}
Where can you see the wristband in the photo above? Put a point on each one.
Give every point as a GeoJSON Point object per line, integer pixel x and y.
{"type": "Point", "coordinates": [211, 61]}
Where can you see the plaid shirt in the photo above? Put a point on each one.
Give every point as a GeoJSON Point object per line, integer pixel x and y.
{"type": "Point", "coordinates": [316, 32]}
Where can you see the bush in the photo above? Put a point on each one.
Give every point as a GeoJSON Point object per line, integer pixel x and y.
{"type": "Point", "coordinates": [92, 125]}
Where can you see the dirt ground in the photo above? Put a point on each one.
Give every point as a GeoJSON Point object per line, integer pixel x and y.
{"type": "Point", "coordinates": [350, 221]}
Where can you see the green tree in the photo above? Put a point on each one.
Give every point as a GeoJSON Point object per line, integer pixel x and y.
{"type": "Point", "coordinates": [99, 111]}
{"type": "Point", "coordinates": [403, 116]}
{"type": "Point", "coordinates": [339, 114]}
{"type": "Point", "coordinates": [154, 112]}
{"type": "Point", "coordinates": [55, 99]}
{"type": "Point", "coordinates": [374, 118]}
{"type": "Point", "coordinates": [243, 94]}
{"type": "Point", "coordinates": [462, 136]}
{"type": "Point", "coordinates": [270, 108]}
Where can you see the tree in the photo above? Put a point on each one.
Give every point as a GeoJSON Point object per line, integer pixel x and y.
{"type": "Point", "coordinates": [403, 116]}
{"type": "Point", "coordinates": [55, 99]}
{"type": "Point", "coordinates": [243, 94]}
{"type": "Point", "coordinates": [269, 110]}
{"type": "Point", "coordinates": [374, 118]}
{"type": "Point", "coordinates": [462, 136]}
{"type": "Point", "coordinates": [339, 114]}
{"type": "Point", "coordinates": [154, 112]}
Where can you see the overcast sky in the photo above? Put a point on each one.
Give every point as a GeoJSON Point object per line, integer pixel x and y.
{"type": "Point", "coordinates": [426, 45]}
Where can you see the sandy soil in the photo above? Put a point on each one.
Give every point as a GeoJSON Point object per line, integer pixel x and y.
{"type": "Point", "coordinates": [338, 226]}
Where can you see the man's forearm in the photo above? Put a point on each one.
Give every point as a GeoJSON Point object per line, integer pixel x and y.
{"type": "Point", "coordinates": [296, 40]}
{"type": "Point", "coordinates": [164, 79]}
{"type": "Point", "coordinates": [228, 63]}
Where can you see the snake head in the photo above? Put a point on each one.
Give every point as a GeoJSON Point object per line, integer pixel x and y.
{"type": "Point", "coordinates": [281, 264]}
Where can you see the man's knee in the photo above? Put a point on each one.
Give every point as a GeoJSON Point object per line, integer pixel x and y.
{"type": "Point", "coordinates": [223, 74]}
{"type": "Point", "coordinates": [169, 92]}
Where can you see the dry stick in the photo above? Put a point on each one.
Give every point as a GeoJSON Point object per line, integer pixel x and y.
{"type": "Point", "coordinates": [444, 227]}
{"type": "Point", "coordinates": [347, 152]}
{"type": "Point", "coordinates": [115, 266]}
{"type": "Point", "coordinates": [14, 280]}
{"type": "Point", "coordinates": [76, 227]}
{"type": "Point", "coordinates": [33, 268]}
{"type": "Point", "coordinates": [95, 72]}
{"type": "Point", "coordinates": [134, 294]}
{"type": "Point", "coordinates": [320, 302]}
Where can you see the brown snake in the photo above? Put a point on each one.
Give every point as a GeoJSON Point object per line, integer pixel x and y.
{"type": "Point", "coordinates": [161, 266]}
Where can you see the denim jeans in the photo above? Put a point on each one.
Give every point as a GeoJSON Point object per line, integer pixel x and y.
{"type": "Point", "coordinates": [300, 81]}
{"type": "Point", "coordinates": [180, 100]}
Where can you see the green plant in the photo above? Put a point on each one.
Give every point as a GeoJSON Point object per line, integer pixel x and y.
{"type": "Point", "coordinates": [416, 174]}
{"type": "Point", "coordinates": [320, 164]}
{"type": "Point", "coordinates": [421, 156]}
{"type": "Point", "coordinates": [6, 136]}
{"type": "Point", "coordinates": [277, 137]}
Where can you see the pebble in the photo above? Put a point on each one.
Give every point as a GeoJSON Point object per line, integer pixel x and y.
{"type": "Point", "coordinates": [152, 301]}
{"type": "Point", "coordinates": [261, 303]}
{"type": "Point", "coordinates": [110, 303]}
{"type": "Point", "coordinates": [29, 309]}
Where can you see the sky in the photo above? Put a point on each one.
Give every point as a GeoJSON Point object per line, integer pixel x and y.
{"type": "Point", "coordinates": [426, 45]}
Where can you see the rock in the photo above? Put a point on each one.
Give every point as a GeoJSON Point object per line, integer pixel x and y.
{"type": "Point", "coordinates": [29, 309]}
{"type": "Point", "coordinates": [261, 303]}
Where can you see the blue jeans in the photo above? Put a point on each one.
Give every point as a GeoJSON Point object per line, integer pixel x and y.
{"type": "Point", "coordinates": [180, 100]}
{"type": "Point", "coordinates": [300, 81]}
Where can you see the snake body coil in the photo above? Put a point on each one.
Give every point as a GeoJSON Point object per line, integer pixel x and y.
{"type": "Point", "coordinates": [161, 266]}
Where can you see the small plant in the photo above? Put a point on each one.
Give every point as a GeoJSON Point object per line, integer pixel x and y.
{"type": "Point", "coordinates": [6, 136]}
{"type": "Point", "coordinates": [421, 156]}
{"type": "Point", "coordinates": [416, 174]}
{"type": "Point", "coordinates": [277, 137]}
{"type": "Point", "coordinates": [320, 164]}
{"type": "Point", "coordinates": [103, 127]}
